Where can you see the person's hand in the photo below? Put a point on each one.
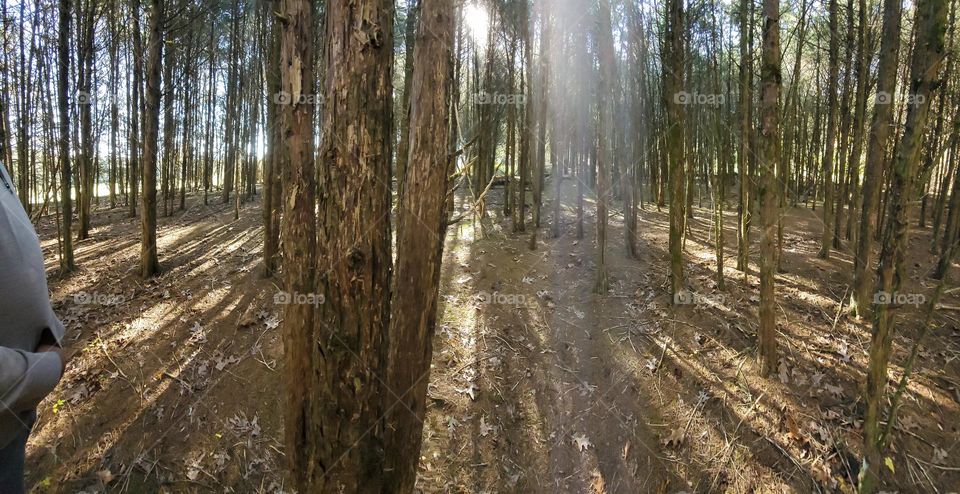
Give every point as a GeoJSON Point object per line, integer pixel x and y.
{"type": "Point", "coordinates": [57, 350]}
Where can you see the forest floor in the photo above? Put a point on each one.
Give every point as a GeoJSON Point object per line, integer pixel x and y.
{"type": "Point", "coordinates": [538, 384]}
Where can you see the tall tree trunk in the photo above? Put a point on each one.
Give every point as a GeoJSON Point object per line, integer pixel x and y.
{"type": "Point", "coordinates": [149, 264]}
{"type": "Point", "coordinates": [526, 127]}
{"type": "Point", "coordinates": [673, 63]}
{"type": "Point", "coordinates": [133, 165]}
{"type": "Point", "coordinates": [420, 232]}
{"type": "Point", "coordinates": [826, 239]}
{"type": "Point", "coordinates": [306, 451]}
{"type": "Point", "coordinates": [211, 96]}
{"type": "Point", "coordinates": [842, 155]}
{"type": "Point", "coordinates": [604, 133]}
{"type": "Point", "coordinates": [856, 151]}
{"type": "Point", "coordinates": [85, 55]}
{"type": "Point", "coordinates": [403, 144]}
{"type": "Point", "coordinates": [721, 145]}
{"type": "Point", "coordinates": [354, 246]}
{"type": "Point", "coordinates": [275, 149]}
{"type": "Point", "coordinates": [927, 58]}
{"type": "Point", "coordinates": [639, 131]}
{"type": "Point", "coordinates": [769, 158]}
{"type": "Point", "coordinates": [744, 114]}
{"type": "Point", "coordinates": [230, 126]}
{"type": "Point", "coordinates": [873, 173]}
{"type": "Point", "coordinates": [114, 108]}
{"type": "Point", "coordinates": [63, 86]}
{"type": "Point", "coordinates": [166, 165]}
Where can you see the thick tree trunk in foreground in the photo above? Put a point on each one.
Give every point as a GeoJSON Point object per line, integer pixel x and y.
{"type": "Point", "coordinates": [769, 157]}
{"type": "Point", "coordinates": [149, 265]}
{"type": "Point", "coordinates": [877, 147]}
{"type": "Point", "coordinates": [353, 246]}
{"type": "Point", "coordinates": [928, 55]}
{"type": "Point", "coordinates": [63, 85]}
{"type": "Point", "coordinates": [420, 232]}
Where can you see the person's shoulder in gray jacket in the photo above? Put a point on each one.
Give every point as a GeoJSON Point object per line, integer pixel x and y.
{"type": "Point", "coordinates": [27, 321]}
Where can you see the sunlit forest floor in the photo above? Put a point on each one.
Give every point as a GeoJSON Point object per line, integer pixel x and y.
{"type": "Point", "coordinates": [538, 384]}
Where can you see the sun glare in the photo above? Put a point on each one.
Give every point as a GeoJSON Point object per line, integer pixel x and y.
{"type": "Point", "coordinates": [478, 22]}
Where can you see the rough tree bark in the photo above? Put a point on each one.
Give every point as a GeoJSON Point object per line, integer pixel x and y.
{"type": "Point", "coordinates": [306, 452]}
{"type": "Point", "coordinates": [353, 247]}
{"type": "Point", "coordinates": [420, 233]}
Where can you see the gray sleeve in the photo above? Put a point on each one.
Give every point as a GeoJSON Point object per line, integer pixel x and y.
{"type": "Point", "coordinates": [26, 377]}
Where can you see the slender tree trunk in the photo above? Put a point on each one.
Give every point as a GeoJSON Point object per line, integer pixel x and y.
{"type": "Point", "coordinates": [746, 98]}
{"type": "Point", "coordinates": [769, 157]}
{"type": "Point", "coordinates": [114, 108]}
{"type": "Point", "coordinates": [790, 133]}
{"type": "Point", "coordinates": [639, 132]}
{"type": "Point", "coordinates": [166, 166]}
{"type": "Point", "coordinates": [275, 148]}
{"type": "Point", "coordinates": [85, 54]}
{"type": "Point", "coordinates": [149, 264]}
{"type": "Point", "coordinates": [826, 239]}
{"type": "Point", "coordinates": [134, 162]}
{"type": "Point", "coordinates": [63, 86]}
{"type": "Point", "coordinates": [842, 155]}
{"type": "Point", "coordinates": [673, 63]}
{"type": "Point", "coordinates": [856, 150]}
{"type": "Point", "coordinates": [927, 58]}
{"type": "Point", "coordinates": [413, 12]}
{"type": "Point", "coordinates": [230, 126]}
{"type": "Point", "coordinates": [878, 141]}
{"type": "Point", "coordinates": [604, 132]}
